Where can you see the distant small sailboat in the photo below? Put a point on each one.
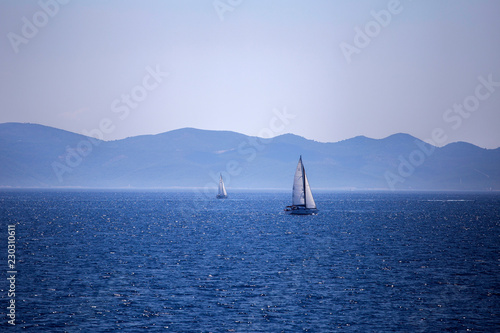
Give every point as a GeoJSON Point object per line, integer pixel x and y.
{"type": "Point", "coordinates": [302, 198]}
{"type": "Point", "coordinates": [222, 194]}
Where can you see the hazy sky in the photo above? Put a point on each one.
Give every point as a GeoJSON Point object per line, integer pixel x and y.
{"type": "Point", "coordinates": [332, 70]}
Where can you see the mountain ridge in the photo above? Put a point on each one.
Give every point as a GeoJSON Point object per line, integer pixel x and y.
{"type": "Point", "coordinates": [182, 129]}
{"type": "Point", "coordinates": [35, 155]}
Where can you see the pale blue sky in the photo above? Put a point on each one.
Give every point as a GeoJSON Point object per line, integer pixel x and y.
{"type": "Point", "coordinates": [263, 57]}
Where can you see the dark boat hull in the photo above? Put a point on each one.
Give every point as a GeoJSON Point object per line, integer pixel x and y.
{"type": "Point", "coordinates": [300, 210]}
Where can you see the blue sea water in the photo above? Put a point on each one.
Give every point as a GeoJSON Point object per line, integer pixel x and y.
{"type": "Point", "coordinates": [96, 261]}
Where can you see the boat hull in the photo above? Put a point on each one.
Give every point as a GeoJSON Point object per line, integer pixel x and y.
{"type": "Point", "coordinates": [299, 210]}
{"type": "Point", "coordinates": [221, 196]}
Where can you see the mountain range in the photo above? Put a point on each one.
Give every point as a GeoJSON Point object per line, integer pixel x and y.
{"type": "Point", "coordinates": [34, 155]}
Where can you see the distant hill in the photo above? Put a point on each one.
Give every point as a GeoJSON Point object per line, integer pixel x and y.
{"type": "Point", "coordinates": [39, 156]}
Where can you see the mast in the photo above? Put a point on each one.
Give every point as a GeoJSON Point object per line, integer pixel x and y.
{"type": "Point", "coordinates": [303, 181]}
{"type": "Point", "coordinates": [221, 184]}
{"type": "Point", "coordinates": [219, 189]}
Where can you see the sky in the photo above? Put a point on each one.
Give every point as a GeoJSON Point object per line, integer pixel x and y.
{"type": "Point", "coordinates": [325, 70]}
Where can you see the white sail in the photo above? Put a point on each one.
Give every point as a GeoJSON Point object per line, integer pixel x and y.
{"type": "Point", "coordinates": [222, 188]}
{"type": "Point", "coordinates": [302, 195]}
{"type": "Point", "coordinates": [308, 194]}
{"type": "Point", "coordinates": [298, 197]}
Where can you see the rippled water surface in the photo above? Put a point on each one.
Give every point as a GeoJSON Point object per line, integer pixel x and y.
{"type": "Point", "coordinates": [95, 261]}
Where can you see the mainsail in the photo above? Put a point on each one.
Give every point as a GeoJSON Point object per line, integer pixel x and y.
{"type": "Point", "coordinates": [302, 195]}
{"type": "Point", "coordinates": [222, 188]}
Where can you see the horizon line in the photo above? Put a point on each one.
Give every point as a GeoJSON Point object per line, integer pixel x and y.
{"type": "Point", "coordinates": [239, 189]}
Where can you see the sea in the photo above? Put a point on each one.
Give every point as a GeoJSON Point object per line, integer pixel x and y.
{"type": "Point", "coordinates": [181, 261]}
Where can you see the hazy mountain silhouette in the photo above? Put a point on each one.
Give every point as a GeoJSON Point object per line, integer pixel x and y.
{"type": "Point", "coordinates": [40, 156]}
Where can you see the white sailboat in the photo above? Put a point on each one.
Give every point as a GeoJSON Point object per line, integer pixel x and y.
{"type": "Point", "coordinates": [222, 194]}
{"type": "Point", "coordinates": [302, 198]}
